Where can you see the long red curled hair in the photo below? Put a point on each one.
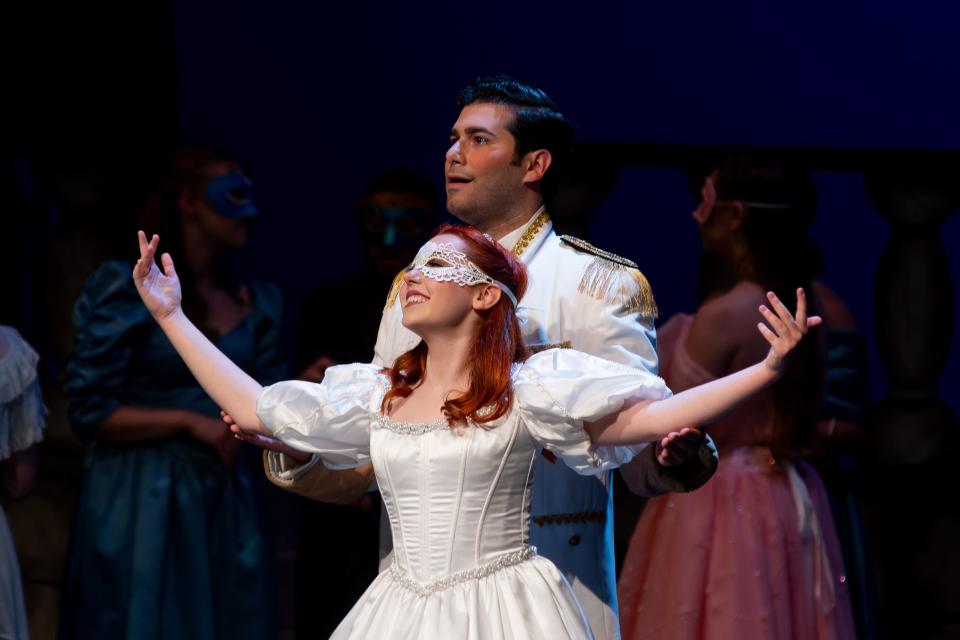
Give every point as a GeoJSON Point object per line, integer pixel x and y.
{"type": "Point", "coordinates": [498, 346]}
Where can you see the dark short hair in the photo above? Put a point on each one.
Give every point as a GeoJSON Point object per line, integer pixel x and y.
{"type": "Point", "coordinates": [538, 123]}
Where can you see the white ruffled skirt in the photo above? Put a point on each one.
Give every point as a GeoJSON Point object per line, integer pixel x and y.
{"type": "Point", "coordinates": [530, 600]}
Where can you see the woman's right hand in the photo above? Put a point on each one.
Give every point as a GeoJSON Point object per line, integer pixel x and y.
{"type": "Point", "coordinates": [160, 291]}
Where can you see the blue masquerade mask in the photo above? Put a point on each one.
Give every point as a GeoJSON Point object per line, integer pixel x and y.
{"type": "Point", "coordinates": [394, 227]}
{"type": "Point", "coordinates": [230, 196]}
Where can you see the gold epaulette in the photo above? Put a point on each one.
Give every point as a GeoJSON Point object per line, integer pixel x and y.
{"type": "Point", "coordinates": [394, 290]}
{"type": "Point", "coordinates": [603, 279]}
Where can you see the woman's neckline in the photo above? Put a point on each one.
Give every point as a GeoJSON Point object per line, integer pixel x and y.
{"type": "Point", "coordinates": [383, 413]}
{"type": "Point", "coordinates": [414, 423]}
{"type": "Point", "coordinates": [441, 420]}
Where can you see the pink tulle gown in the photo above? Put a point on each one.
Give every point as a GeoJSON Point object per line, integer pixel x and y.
{"type": "Point", "coordinates": [751, 555]}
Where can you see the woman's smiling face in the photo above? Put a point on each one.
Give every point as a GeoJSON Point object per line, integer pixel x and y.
{"type": "Point", "coordinates": [429, 303]}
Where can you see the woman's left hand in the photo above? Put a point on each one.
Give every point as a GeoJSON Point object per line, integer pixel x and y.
{"type": "Point", "coordinates": [785, 331]}
{"type": "Point", "coordinates": [160, 291]}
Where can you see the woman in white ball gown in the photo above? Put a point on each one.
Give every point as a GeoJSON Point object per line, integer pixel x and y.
{"type": "Point", "coordinates": [453, 429]}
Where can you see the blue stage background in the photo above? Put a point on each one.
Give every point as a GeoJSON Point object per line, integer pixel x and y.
{"type": "Point", "coordinates": [317, 98]}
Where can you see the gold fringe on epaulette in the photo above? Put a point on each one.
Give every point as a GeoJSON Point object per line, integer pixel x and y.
{"type": "Point", "coordinates": [394, 290]}
{"type": "Point", "coordinates": [619, 284]}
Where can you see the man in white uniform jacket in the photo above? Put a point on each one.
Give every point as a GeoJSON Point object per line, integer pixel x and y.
{"type": "Point", "coordinates": [506, 138]}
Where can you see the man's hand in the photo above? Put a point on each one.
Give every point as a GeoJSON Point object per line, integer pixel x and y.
{"type": "Point", "coordinates": [678, 447]}
{"type": "Point", "coordinates": [265, 442]}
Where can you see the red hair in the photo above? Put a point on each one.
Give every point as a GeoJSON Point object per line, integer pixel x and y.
{"type": "Point", "coordinates": [498, 346]}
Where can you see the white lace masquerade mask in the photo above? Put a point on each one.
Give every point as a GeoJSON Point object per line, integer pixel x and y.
{"type": "Point", "coordinates": [442, 262]}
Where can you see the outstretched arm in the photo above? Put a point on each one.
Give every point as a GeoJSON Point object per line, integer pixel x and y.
{"type": "Point", "coordinates": [646, 420]}
{"type": "Point", "coordinates": [226, 383]}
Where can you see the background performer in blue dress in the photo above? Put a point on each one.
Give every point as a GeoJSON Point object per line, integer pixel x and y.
{"type": "Point", "coordinates": [166, 539]}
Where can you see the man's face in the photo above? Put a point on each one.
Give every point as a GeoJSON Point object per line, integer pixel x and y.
{"type": "Point", "coordinates": [482, 170]}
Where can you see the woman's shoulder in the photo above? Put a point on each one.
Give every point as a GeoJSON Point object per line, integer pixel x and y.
{"type": "Point", "coordinates": [564, 361]}
{"type": "Point", "coordinates": [570, 374]}
{"type": "Point", "coordinates": [735, 311]}
{"type": "Point", "coordinates": [345, 389]}
{"type": "Point", "coordinates": [110, 295]}
{"type": "Point", "coordinates": [741, 299]}
{"type": "Point", "coordinates": [357, 373]}
{"type": "Point", "coordinates": [111, 276]}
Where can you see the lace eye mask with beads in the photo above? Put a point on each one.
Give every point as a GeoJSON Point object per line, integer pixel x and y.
{"type": "Point", "coordinates": [442, 262]}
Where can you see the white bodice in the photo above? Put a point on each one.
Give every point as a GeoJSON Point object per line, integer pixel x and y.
{"type": "Point", "coordinates": [459, 498]}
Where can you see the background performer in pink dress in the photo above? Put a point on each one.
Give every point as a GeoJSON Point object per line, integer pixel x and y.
{"type": "Point", "coordinates": [753, 553]}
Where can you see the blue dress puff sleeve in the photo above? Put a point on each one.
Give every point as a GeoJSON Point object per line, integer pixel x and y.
{"type": "Point", "coordinates": [107, 320]}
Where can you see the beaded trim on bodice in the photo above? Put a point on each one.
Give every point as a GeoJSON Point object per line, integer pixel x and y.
{"type": "Point", "coordinates": [411, 428]}
{"type": "Point", "coordinates": [405, 428]}
{"type": "Point", "coordinates": [425, 589]}
{"type": "Point", "coordinates": [420, 428]}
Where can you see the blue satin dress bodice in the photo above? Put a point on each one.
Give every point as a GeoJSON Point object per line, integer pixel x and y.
{"type": "Point", "coordinates": [166, 541]}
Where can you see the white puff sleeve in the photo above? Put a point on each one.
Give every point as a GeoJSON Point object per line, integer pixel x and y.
{"type": "Point", "coordinates": [557, 390]}
{"type": "Point", "coordinates": [22, 412]}
{"type": "Point", "coordinates": [331, 419]}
